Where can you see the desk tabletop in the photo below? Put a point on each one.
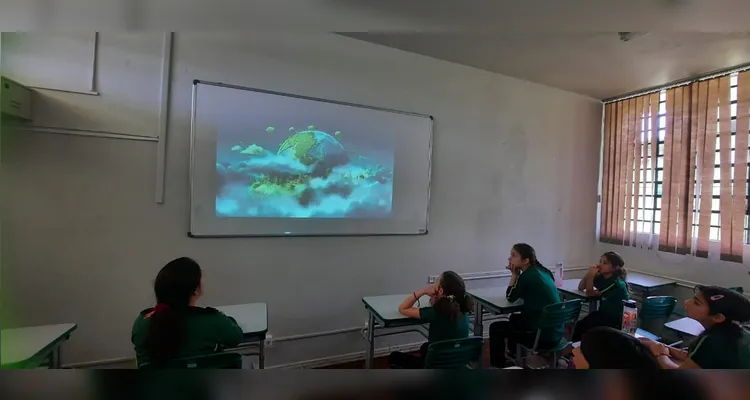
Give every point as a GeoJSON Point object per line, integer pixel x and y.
{"type": "Point", "coordinates": [251, 317]}
{"type": "Point", "coordinates": [686, 325]}
{"type": "Point", "coordinates": [385, 308]}
{"type": "Point", "coordinates": [21, 346]}
{"type": "Point", "coordinates": [647, 281]}
{"type": "Point", "coordinates": [570, 286]}
{"type": "Point", "coordinates": [493, 298]}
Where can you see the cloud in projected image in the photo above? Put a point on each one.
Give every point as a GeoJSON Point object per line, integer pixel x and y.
{"type": "Point", "coordinates": [346, 192]}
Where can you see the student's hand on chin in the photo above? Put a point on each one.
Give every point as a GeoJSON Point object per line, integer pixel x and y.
{"type": "Point", "coordinates": [594, 269]}
{"type": "Point", "coordinates": [429, 290]}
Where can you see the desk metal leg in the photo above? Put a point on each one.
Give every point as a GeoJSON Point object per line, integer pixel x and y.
{"type": "Point", "coordinates": [370, 341]}
{"type": "Point", "coordinates": [55, 362]}
{"type": "Point", "coordinates": [262, 354]}
{"type": "Point", "coordinates": [478, 315]}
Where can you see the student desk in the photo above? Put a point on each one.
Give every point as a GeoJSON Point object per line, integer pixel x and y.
{"type": "Point", "coordinates": [569, 288]}
{"type": "Point", "coordinates": [30, 347]}
{"type": "Point", "coordinates": [648, 283]}
{"type": "Point", "coordinates": [253, 319]}
{"type": "Point", "coordinates": [383, 311]}
{"type": "Point", "coordinates": [492, 300]}
{"type": "Point", "coordinates": [685, 326]}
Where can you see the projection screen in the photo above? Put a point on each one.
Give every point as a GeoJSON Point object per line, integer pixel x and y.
{"type": "Point", "coordinates": [264, 163]}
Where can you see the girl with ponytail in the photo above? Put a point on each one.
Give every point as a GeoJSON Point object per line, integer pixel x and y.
{"type": "Point", "coordinates": [448, 315]}
{"type": "Point", "coordinates": [606, 279]}
{"type": "Point", "coordinates": [176, 327]}
{"type": "Point", "coordinates": [535, 285]}
{"type": "Point", "coordinates": [724, 344]}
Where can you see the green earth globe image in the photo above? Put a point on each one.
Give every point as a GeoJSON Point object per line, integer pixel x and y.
{"type": "Point", "coordinates": [313, 147]}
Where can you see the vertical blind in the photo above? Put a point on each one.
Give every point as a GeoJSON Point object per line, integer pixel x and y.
{"type": "Point", "coordinates": [679, 149]}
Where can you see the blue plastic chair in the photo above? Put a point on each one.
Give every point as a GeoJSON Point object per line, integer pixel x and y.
{"type": "Point", "coordinates": [654, 313]}
{"type": "Point", "coordinates": [553, 317]}
{"type": "Point", "coordinates": [454, 353]}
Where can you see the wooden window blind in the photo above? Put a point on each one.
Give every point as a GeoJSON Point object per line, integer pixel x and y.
{"type": "Point", "coordinates": [675, 164]}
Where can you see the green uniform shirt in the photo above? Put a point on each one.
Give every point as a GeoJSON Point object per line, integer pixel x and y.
{"type": "Point", "coordinates": [614, 290]}
{"type": "Point", "coordinates": [537, 289]}
{"type": "Point", "coordinates": [441, 327]}
{"type": "Point", "coordinates": [208, 330]}
{"type": "Point", "coordinates": [719, 351]}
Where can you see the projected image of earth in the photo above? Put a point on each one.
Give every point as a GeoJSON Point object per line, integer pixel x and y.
{"type": "Point", "coordinates": [310, 172]}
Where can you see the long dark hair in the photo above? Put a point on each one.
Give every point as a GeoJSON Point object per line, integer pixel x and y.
{"type": "Point", "coordinates": [733, 305]}
{"type": "Point", "coordinates": [454, 302]}
{"type": "Point", "coordinates": [618, 263]}
{"type": "Point", "coordinates": [174, 286]}
{"type": "Point", "coordinates": [608, 348]}
{"type": "Point", "coordinates": [526, 251]}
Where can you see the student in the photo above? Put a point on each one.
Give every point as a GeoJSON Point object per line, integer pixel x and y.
{"type": "Point", "coordinates": [608, 281]}
{"type": "Point", "coordinates": [175, 327]}
{"type": "Point", "coordinates": [448, 316]}
{"type": "Point", "coordinates": [535, 285]}
{"type": "Point", "coordinates": [724, 344]}
{"type": "Point", "coordinates": [608, 348]}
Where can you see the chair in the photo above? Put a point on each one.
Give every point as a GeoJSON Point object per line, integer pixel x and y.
{"type": "Point", "coordinates": [454, 353]}
{"type": "Point", "coordinates": [744, 350]}
{"type": "Point", "coordinates": [655, 311]}
{"type": "Point", "coordinates": [205, 361]}
{"type": "Point", "coordinates": [553, 316]}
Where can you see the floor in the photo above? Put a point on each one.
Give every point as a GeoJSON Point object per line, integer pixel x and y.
{"type": "Point", "coordinates": [382, 362]}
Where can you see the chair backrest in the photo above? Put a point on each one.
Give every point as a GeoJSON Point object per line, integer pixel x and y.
{"type": "Point", "coordinates": [655, 311]}
{"type": "Point", "coordinates": [454, 353]}
{"type": "Point", "coordinates": [560, 314]}
{"type": "Point", "coordinates": [206, 361]}
{"type": "Point", "coordinates": [657, 307]}
{"type": "Point", "coordinates": [744, 350]}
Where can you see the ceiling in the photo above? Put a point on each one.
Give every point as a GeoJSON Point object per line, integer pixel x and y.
{"type": "Point", "coordinates": [597, 65]}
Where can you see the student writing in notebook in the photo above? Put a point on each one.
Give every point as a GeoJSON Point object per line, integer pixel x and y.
{"type": "Point", "coordinates": [724, 344]}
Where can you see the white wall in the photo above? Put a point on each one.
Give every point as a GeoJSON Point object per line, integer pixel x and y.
{"type": "Point", "coordinates": [126, 78]}
{"type": "Point", "coordinates": [83, 239]}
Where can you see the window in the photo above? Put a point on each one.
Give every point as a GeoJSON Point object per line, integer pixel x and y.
{"type": "Point", "coordinates": [644, 133]}
{"type": "Point", "coordinates": [649, 201]}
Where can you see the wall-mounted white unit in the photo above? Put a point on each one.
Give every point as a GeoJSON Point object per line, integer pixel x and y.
{"type": "Point", "coordinates": [15, 99]}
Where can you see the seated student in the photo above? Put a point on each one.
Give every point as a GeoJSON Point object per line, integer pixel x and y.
{"type": "Point", "coordinates": [448, 316]}
{"type": "Point", "coordinates": [608, 348]}
{"type": "Point", "coordinates": [608, 281]}
{"type": "Point", "coordinates": [535, 285]}
{"type": "Point", "coordinates": [175, 327]}
{"type": "Point", "coordinates": [724, 344]}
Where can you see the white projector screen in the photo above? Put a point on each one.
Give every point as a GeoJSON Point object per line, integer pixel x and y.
{"type": "Point", "coordinates": [273, 164]}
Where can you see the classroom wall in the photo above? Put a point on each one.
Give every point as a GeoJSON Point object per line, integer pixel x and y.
{"type": "Point", "coordinates": [711, 271]}
{"type": "Point", "coordinates": [83, 237]}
